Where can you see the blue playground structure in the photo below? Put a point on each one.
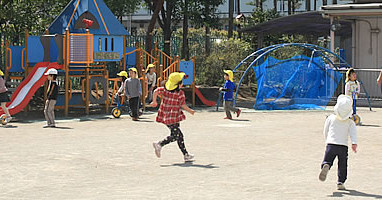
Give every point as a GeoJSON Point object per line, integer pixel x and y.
{"type": "Point", "coordinates": [299, 82]}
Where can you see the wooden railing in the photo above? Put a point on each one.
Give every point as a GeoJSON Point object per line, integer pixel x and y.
{"type": "Point", "coordinates": [174, 67]}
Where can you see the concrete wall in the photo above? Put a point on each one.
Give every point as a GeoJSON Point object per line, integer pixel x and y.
{"type": "Point", "coordinates": [368, 51]}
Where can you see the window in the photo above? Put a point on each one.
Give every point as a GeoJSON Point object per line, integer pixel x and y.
{"type": "Point", "coordinates": [105, 44]}
{"type": "Point", "coordinates": [99, 44]}
{"type": "Point", "coordinates": [112, 44]}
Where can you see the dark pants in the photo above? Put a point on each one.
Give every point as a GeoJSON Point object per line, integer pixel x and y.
{"type": "Point", "coordinates": [228, 108]}
{"type": "Point", "coordinates": [176, 135]}
{"type": "Point", "coordinates": [354, 106]}
{"type": "Point", "coordinates": [340, 151]}
{"type": "Point", "coordinates": [134, 106]}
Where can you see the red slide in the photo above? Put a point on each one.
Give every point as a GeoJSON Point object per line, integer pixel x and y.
{"type": "Point", "coordinates": [204, 100]}
{"type": "Point", "coordinates": [25, 91]}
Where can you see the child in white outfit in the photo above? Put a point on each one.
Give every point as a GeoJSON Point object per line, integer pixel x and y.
{"type": "Point", "coordinates": [337, 130]}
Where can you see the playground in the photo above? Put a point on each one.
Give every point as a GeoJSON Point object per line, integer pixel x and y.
{"type": "Point", "coordinates": [99, 157]}
{"type": "Point", "coordinates": [94, 151]}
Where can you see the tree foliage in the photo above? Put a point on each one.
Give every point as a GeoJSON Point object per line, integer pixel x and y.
{"type": "Point", "coordinates": [225, 55]}
{"type": "Point", "coordinates": [37, 15]}
{"type": "Point", "coordinates": [122, 8]}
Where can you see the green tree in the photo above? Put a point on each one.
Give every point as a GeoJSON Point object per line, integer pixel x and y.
{"type": "Point", "coordinates": [122, 8]}
{"type": "Point", "coordinates": [205, 15]}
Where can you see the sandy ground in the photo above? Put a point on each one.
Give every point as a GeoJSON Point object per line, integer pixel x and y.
{"type": "Point", "coordinates": [261, 155]}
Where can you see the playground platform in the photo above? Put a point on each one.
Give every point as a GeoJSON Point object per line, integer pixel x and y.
{"type": "Point", "coordinates": [261, 155]}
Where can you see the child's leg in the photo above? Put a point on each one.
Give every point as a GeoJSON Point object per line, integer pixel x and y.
{"type": "Point", "coordinates": [52, 103]}
{"type": "Point", "coordinates": [330, 155]}
{"type": "Point", "coordinates": [176, 135]}
{"type": "Point", "coordinates": [5, 109]}
{"type": "Point", "coordinates": [354, 106]}
{"type": "Point", "coordinates": [342, 163]}
{"type": "Point", "coordinates": [49, 112]}
{"type": "Point", "coordinates": [46, 112]}
{"type": "Point", "coordinates": [133, 103]}
{"type": "Point", "coordinates": [227, 105]}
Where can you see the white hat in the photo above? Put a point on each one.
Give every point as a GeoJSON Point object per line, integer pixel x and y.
{"type": "Point", "coordinates": [51, 72]}
{"type": "Point", "coordinates": [343, 108]}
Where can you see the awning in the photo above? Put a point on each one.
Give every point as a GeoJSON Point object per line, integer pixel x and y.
{"type": "Point", "coordinates": [308, 23]}
{"type": "Point", "coordinates": [369, 9]}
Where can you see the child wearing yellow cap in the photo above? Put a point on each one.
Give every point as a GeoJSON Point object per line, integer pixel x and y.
{"type": "Point", "coordinates": [352, 87]}
{"type": "Point", "coordinates": [133, 91]}
{"type": "Point", "coordinates": [228, 88]}
{"type": "Point", "coordinates": [4, 98]}
{"type": "Point", "coordinates": [170, 114]}
{"type": "Point", "coordinates": [151, 77]}
{"type": "Point", "coordinates": [124, 76]}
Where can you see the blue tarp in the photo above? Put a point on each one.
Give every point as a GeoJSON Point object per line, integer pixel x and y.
{"type": "Point", "coordinates": [108, 23]}
{"type": "Point", "coordinates": [300, 82]}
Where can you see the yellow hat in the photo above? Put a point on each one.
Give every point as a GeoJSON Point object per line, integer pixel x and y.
{"type": "Point", "coordinates": [1, 73]}
{"type": "Point", "coordinates": [174, 79]}
{"type": "Point", "coordinates": [134, 70]}
{"type": "Point", "coordinates": [122, 73]}
{"type": "Point", "coordinates": [149, 66]}
{"type": "Point", "coordinates": [230, 74]}
{"type": "Point", "coordinates": [351, 70]}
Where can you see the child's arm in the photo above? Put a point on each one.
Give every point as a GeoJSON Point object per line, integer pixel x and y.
{"type": "Point", "coordinates": [188, 109]}
{"type": "Point", "coordinates": [140, 87]}
{"type": "Point", "coordinates": [358, 88]}
{"type": "Point", "coordinates": [379, 80]}
{"type": "Point", "coordinates": [155, 80]}
{"type": "Point", "coordinates": [120, 90]}
{"type": "Point", "coordinates": [127, 90]}
{"type": "Point", "coordinates": [155, 95]}
{"type": "Point", "coordinates": [326, 127]}
{"type": "Point", "coordinates": [51, 89]}
{"type": "Point", "coordinates": [347, 89]}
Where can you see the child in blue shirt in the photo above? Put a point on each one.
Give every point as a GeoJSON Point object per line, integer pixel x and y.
{"type": "Point", "coordinates": [228, 88]}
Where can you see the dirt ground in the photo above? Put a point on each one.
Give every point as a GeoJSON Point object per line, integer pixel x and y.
{"type": "Point", "coordinates": [261, 155]}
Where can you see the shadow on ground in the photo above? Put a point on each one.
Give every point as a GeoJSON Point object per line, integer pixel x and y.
{"type": "Point", "coordinates": [354, 193]}
{"type": "Point", "coordinates": [191, 164]}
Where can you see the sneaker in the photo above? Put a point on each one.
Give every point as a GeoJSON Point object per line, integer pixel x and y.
{"type": "Point", "coordinates": [135, 119]}
{"type": "Point", "coordinates": [188, 158]}
{"type": "Point", "coordinates": [157, 148]}
{"type": "Point", "coordinates": [341, 186]}
{"type": "Point", "coordinates": [46, 126]}
{"type": "Point", "coordinates": [324, 172]}
{"type": "Point", "coordinates": [238, 113]}
{"type": "Point", "coordinates": [8, 119]}
{"type": "Point", "coordinates": [227, 117]}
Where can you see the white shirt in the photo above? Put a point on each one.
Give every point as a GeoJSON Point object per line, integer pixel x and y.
{"type": "Point", "coordinates": [352, 87]}
{"type": "Point", "coordinates": [338, 131]}
{"type": "Point", "coordinates": [151, 78]}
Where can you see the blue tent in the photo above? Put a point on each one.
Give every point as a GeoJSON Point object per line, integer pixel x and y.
{"type": "Point", "coordinates": [104, 21]}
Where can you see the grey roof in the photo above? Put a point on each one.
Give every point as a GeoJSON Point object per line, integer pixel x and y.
{"type": "Point", "coordinates": [308, 23]}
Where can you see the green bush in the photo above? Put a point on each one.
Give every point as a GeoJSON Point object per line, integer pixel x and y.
{"type": "Point", "coordinates": [225, 55]}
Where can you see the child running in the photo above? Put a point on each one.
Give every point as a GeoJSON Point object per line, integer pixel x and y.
{"type": "Point", "coordinates": [151, 79]}
{"type": "Point", "coordinates": [4, 98]}
{"type": "Point", "coordinates": [228, 88]}
{"type": "Point", "coordinates": [133, 91]}
{"type": "Point", "coordinates": [170, 114]}
{"type": "Point", "coordinates": [52, 98]}
{"type": "Point", "coordinates": [352, 87]}
{"type": "Point", "coordinates": [337, 130]}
